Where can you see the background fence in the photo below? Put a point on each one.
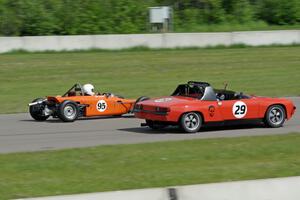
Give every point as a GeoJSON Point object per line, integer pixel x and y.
{"type": "Point", "coordinates": [166, 40]}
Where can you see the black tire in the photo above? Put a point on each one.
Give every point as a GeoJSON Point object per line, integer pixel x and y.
{"type": "Point", "coordinates": [275, 116]}
{"type": "Point", "coordinates": [191, 122]}
{"type": "Point", "coordinates": [36, 111]}
{"type": "Point", "coordinates": [68, 111]}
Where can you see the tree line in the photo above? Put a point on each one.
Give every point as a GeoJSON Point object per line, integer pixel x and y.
{"type": "Point", "coordinates": [73, 17]}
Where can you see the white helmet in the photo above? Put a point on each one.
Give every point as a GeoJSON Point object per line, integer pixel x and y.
{"type": "Point", "coordinates": [88, 89]}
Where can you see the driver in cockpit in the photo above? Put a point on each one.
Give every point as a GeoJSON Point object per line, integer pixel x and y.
{"type": "Point", "coordinates": [88, 89]}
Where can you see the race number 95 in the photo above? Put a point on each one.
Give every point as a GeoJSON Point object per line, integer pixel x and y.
{"type": "Point", "coordinates": [101, 106]}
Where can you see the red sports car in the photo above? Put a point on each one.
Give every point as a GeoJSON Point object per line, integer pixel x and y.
{"type": "Point", "coordinates": [197, 103]}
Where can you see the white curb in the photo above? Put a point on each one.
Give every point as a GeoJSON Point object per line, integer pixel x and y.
{"type": "Point", "coordinates": [264, 189]}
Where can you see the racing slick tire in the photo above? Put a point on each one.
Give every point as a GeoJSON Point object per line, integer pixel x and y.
{"type": "Point", "coordinates": [68, 111]}
{"type": "Point", "coordinates": [190, 122]}
{"type": "Point", "coordinates": [36, 111]}
{"type": "Point", "coordinates": [275, 116]}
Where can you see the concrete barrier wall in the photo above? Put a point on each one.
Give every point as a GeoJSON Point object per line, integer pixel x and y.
{"type": "Point", "coordinates": [257, 38]}
{"type": "Point", "coordinates": [166, 40]}
{"type": "Point", "coordinates": [265, 189]}
{"type": "Point", "coordinates": [143, 194]}
{"type": "Point", "coordinates": [268, 189]}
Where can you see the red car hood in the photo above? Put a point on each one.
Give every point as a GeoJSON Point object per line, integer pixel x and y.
{"type": "Point", "coordinates": [168, 101]}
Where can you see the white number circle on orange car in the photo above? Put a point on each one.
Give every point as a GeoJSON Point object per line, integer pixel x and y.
{"type": "Point", "coordinates": [101, 106]}
{"type": "Point", "coordinates": [239, 109]}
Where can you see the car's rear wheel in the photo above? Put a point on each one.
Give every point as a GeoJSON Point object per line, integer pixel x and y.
{"type": "Point", "coordinates": [36, 111]}
{"type": "Point", "coordinates": [275, 116]}
{"type": "Point", "coordinates": [191, 122]}
{"type": "Point", "coordinates": [68, 111]}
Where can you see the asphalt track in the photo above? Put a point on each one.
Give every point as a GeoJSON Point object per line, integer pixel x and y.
{"type": "Point", "coordinates": [19, 133]}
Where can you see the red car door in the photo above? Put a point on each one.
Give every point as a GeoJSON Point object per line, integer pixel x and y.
{"type": "Point", "coordinates": [239, 109]}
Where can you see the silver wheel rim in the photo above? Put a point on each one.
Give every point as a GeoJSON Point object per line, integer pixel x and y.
{"type": "Point", "coordinates": [70, 112]}
{"type": "Point", "coordinates": [276, 116]}
{"type": "Point", "coordinates": [191, 121]}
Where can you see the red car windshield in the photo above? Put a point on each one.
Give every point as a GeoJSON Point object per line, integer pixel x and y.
{"type": "Point", "coordinates": [188, 91]}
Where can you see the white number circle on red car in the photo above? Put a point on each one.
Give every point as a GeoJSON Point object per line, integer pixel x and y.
{"type": "Point", "coordinates": [239, 109]}
{"type": "Point", "coordinates": [101, 106]}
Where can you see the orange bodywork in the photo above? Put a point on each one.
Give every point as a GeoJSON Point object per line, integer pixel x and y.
{"type": "Point", "coordinates": [99, 105]}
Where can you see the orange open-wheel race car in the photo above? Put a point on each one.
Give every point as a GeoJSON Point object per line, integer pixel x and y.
{"type": "Point", "coordinates": [80, 101]}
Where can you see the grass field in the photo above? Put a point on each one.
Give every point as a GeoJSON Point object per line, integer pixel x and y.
{"type": "Point", "coordinates": [159, 164]}
{"type": "Point", "coordinates": [252, 26]}
{"type": "Point", "coordinates": [271, 71]}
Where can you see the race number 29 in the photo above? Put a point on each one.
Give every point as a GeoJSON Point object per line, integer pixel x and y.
{"type": "Point", "coordinates": [239, 109]}
{"type": "Point", "coordinates": [101, 106]}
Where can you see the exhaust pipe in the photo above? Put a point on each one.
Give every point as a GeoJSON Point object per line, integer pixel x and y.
{"type": "Point", "coordinates": [37, 102]}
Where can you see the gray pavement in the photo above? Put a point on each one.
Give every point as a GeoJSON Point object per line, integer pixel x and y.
{"type": "Point", "coordinates": [19, 133]}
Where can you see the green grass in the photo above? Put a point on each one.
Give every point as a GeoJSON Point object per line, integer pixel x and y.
{"type": "Point", "coordinates": [273, 71]}
{"type": "Point", "coordinates": [231, 27]}
{"type": "Point", "coordinates": [161, 164]}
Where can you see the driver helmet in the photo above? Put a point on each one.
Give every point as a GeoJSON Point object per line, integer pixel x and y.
{"type": "Point", "coordinates": [88, 89]}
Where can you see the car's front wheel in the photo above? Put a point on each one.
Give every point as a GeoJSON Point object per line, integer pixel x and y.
{"type": "Point", "coordinates": [275, 116]}
{"type": "Point", "coordinates": [190, 122]}
{"type": "Point", "coordinates": [68, 111]}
